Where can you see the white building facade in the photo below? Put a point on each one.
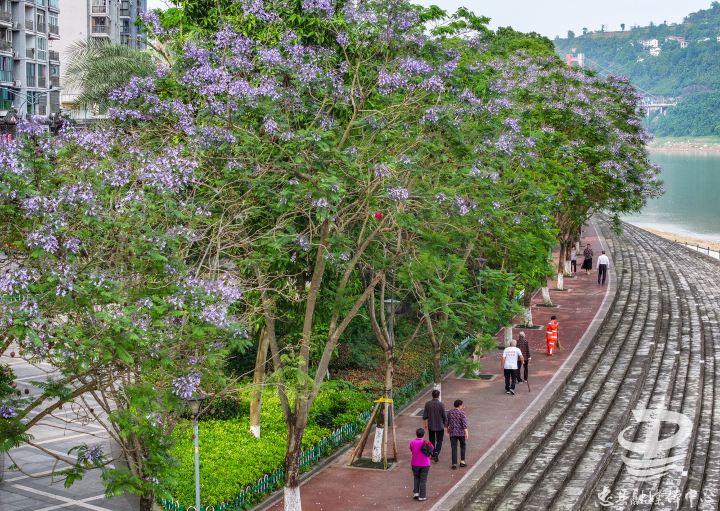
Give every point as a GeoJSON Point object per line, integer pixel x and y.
{"type": "Point", "coordinates": [29, 62]}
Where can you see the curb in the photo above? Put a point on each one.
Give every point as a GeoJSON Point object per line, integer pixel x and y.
{"type": "Point", "coordinates": [460, 495]}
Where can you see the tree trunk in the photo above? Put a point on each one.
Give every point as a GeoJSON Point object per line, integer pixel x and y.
{"type": "Point", "coordinates": [377, 453]}
{"type": "Point", "coordinates": [508, 335]}
{"type": "Point", "coordinates": [527, 303]}
{"type": "Point", "coordinates": [546, 295]}
{"type": "Point", "coordinates": [437, 356]}
{"type": "Point", "coordinates": [258, 379]}
{"type": "Point", "coordinates": [296, 429]}
{"type": "Point", "coordinates": [560, 265]}
{"type": "Point", "coordinates": [146, 502]}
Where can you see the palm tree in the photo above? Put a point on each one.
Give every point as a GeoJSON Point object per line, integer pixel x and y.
{"type": "Point", "coordinates": [95, 68]}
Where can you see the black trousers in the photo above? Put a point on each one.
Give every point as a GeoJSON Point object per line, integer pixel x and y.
{"type": "Point", "coordinates": [453, 445]}
{"type": "Point", "coordinates": [522, 372]}
{"type": "Point", "coordinates": [436, 438]}
{"type": "Point", "coordinates": [573, 265]}
{"type": "Point", "coordinates": [602, 272]}
{"type": "Point", "coordinates": [510, 379]}
{"type": "Point", "coordinates": [420, 475]}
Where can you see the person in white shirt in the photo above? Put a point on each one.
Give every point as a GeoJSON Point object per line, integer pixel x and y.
{"type": "Point", "coordinates": [573, 260]}
{"type": "Point", "coordinates": [603, 265]}
{"type": "Point", "coordinates": [509, 365]}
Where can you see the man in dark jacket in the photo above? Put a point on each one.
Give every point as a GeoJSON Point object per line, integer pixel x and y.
{"type": "Point", "coordinates": [434, 417]}
{"type": "Point", "coordinates": [523, 366]}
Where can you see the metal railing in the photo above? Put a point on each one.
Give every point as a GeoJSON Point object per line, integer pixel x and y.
{"type": "Point", "coordinates": [6, 16]}
{"type": "Point", "coordinates": [6, 46]}
{"type": "Point", "coordinates": [124, 13]}
{"type": "Point", "coordinates": [30, 53]}
{"type": "Point", "coordinates": [41, 27]}
{"type": "Point", "coordinates": [29, 24]}
{"type": "Point", "coordinates": [698, 248]}
{"type": "Point", "coordinates": [99, 9]}
{"type": "Point", "coordinates": [55, 55]}
{"type": "Point", "coordinates": [42, 55]}
{"type": "Point", "coordinates": [269, 482]}
{"type": "Point", "coordinates": [100, 29]}
{"type": "Point", "coordinates": [42, 82]}
{"type": "Point", "coordinates": [54, 29]}
{"type": "Point", "coordinates": [55, 81]}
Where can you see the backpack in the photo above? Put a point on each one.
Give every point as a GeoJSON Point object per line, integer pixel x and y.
{"type": "Point", "coordinates": [426, 449]}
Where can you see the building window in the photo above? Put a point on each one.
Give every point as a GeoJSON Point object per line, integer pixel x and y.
{"type": "Point", "coordinates": [125, 9]}
{"type": "Point", "coordinates": [99, 6]}
{"type": "Point", "coordinates": [54, 4]}
{"type": "Point", "coordinates": [30, 74]}
{"type": "Point", "coordinates": [53, 20]}
{"type": "Point", "coordinates": [6, 99]}
{"type": "Point", "coordinates": [42, 48]}
{"type": "Point", "coordinates": [99, 26]}
{"type": "Point", "coordinates": [6, 69]}
{"type": "Point", "coordinates": [125, 29]}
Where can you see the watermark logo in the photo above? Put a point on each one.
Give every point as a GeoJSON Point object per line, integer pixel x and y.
{"type": "Point", "coordinates": [650, 466]}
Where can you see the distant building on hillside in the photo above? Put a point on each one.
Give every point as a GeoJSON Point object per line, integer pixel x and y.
{"type": "Point", "coordinates": [648, 43]}
{"type": "Point", "coordinates": [681, 40]}
{"type": "Point", "coordinates": [703, 40]}
{"type": "Point", "coordinates": [655, 51]}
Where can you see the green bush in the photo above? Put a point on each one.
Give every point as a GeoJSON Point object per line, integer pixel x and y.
{"type": "Point", "coordinates": [231, 458]}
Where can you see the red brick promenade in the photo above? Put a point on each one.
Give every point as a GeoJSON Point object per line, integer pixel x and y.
{"type": "Point", "coordinates": [490, 411]}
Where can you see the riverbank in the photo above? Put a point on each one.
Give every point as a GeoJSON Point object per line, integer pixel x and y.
{"type": "Point", "coordinates": [685, 144]}
{"type": "Point", "coordinates": [686, 239]}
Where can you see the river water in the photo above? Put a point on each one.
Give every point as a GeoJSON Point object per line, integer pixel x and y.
{"type": "Point", "coordinates": [691, 203]}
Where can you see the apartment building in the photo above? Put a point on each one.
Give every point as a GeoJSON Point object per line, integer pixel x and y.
{"type": "Point", "coordinates": [29, 65]}
{"type": "Point", "coordinates": [107, 20]}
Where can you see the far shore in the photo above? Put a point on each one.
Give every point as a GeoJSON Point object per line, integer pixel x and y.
{"type": "Point", "coordinates": [684, 145]}
{"type": "Point", "coordinates": [713, 245]}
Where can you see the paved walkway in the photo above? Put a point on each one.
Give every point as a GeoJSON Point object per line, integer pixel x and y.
{"type": "Point", "coordinates": [658, 351]}
{"type": "Point", "coordinates": [491, 412]}
{"type": "Point", "coordinates": [20, 492]}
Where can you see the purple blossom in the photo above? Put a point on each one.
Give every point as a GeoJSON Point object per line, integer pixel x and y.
{"type": "Point", "coordinates": [304, 243]}
{"type": "Point", "coordinates": [155, 419]}
{"type": "Point", "coordinates": [381, 170]}
{"type": "Point", "coordinates": [90, 454]}
{"type": "Point", "coordinates": [7, 411]}
{"type": "Point", "coordinates": [342, 39]}
{"type": "Point", "coordinates": [186, 386]}
{"type": "Point", "coordinates": [398, 193]}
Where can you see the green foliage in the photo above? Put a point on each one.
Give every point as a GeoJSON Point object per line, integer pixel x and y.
{"type": "Point", "coordinates": [697, 115]}
{"type": "Point", "coordinates": [462, 365]}
{"type": "Point", "coordinates": [231, 458]}
{"type": "Point", "coordinates": [506, 41]}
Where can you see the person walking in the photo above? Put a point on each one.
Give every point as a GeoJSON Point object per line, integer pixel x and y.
{"type": "Point", "coordinates": [420, 464]}
{"type": "Point", "coordinates": [457, 430]}
{"type": "Point", "coordinates": [573, 260]}
{"type": "Point", "coordinates": [435, 418]}
{"type": "Point", "coordinates": [510, 357]}
{"type": "Point", "coordinates": [603, 265]}
{"type": "Point", "coordinates": [551, 336]}
{"type": "Point", "coordinates": [587, 263]}
{"type": "Point", "coordinates": [524, 348]}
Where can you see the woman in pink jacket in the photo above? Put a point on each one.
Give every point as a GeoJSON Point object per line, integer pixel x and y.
{"type": "Point", "coordinates": [420, 465]}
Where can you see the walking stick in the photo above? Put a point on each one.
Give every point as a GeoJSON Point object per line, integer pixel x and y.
{"type": "Point", "coordinates": [528, 385]}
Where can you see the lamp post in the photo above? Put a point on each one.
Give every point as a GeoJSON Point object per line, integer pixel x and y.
{"type": "Point", "coordinates": [480, 263]}
{"type": "Point", "coordinates": [390, 307]}
{"type": "Point", "coordinates": [195, 403]}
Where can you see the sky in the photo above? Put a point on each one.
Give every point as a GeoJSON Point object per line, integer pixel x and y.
{"type": "Point", "coordinates": [556, 17]}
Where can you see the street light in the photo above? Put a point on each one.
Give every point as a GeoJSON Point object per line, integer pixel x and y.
{"type": "Point", "coordinates": [195, 403]}
{"type": "Point", "coordinates": [390, 308]}
{"type": "Point", "coordinates": [480, 263]}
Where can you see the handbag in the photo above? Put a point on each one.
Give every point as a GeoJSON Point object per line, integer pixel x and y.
{"type": "Point", "coordinates": [426, 449]}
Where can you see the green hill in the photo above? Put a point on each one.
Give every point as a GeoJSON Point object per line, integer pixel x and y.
{"type": "Point", "coordinates": [677, 73]}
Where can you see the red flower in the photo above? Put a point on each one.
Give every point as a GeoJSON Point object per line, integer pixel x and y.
{"type": "Point", "coordinates": [378, 215]}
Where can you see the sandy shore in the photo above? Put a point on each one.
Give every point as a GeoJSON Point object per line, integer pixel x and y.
{"type": "Point", "coordinates": [685, 145]}
{"type": "Point", "coordinates": [686, 239]}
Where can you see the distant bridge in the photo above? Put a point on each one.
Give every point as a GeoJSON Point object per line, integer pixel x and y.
{"type": "Point", "coordinates": [657, 106]}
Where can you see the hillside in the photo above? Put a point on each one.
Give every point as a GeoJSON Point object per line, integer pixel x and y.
{"type": "Point", "coordinates": [670, 72]}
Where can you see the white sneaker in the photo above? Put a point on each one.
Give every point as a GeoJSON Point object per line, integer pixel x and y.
{"type": "Point", "coordinates": [421, 499]}
{"type": "Point", "coordinates": [416, 496]}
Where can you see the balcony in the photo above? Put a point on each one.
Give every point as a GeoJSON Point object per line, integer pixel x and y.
{"type": "Point", "coordinates": [54, 4]}
{"type": "Point", "coordinates": [99, 9]}
{"type": "Point", "coordinates": [6, 47]}
{"type": "Point", "coordinates": [29, 24]}
{"type": "Point", "coordinates": [124, 13]}
{"type": "Point", "coordinates": [42, 82]}
{"type": "Point", "coordinates": [55, 81]}
{"type": "Point", "coordinates": [30, 53]}
{"type": "Point", "coordinates": [6, 76]}
{"type": "Point", "coordinates": [42, 109]}
{"type": "Point", "coordinates": [5, 17]}
{"type": "Point", "coordinates": [54, 56]}
{"type": "Point", "coordinates": [41, 28]}
{"type": "Point", "coordinates": [54, 30]}
{"type": "Point", "coordinates": [40, 2]}
{"type": "Point", "coordinates": [103, 30]}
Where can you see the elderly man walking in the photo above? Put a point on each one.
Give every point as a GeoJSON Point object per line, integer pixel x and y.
{"type": "Point", "coordinates": [435, 422]}
{"type": "Point", "coordinates": [511, 356]}
{"type": "Point", "coordinates": [603, 265]}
